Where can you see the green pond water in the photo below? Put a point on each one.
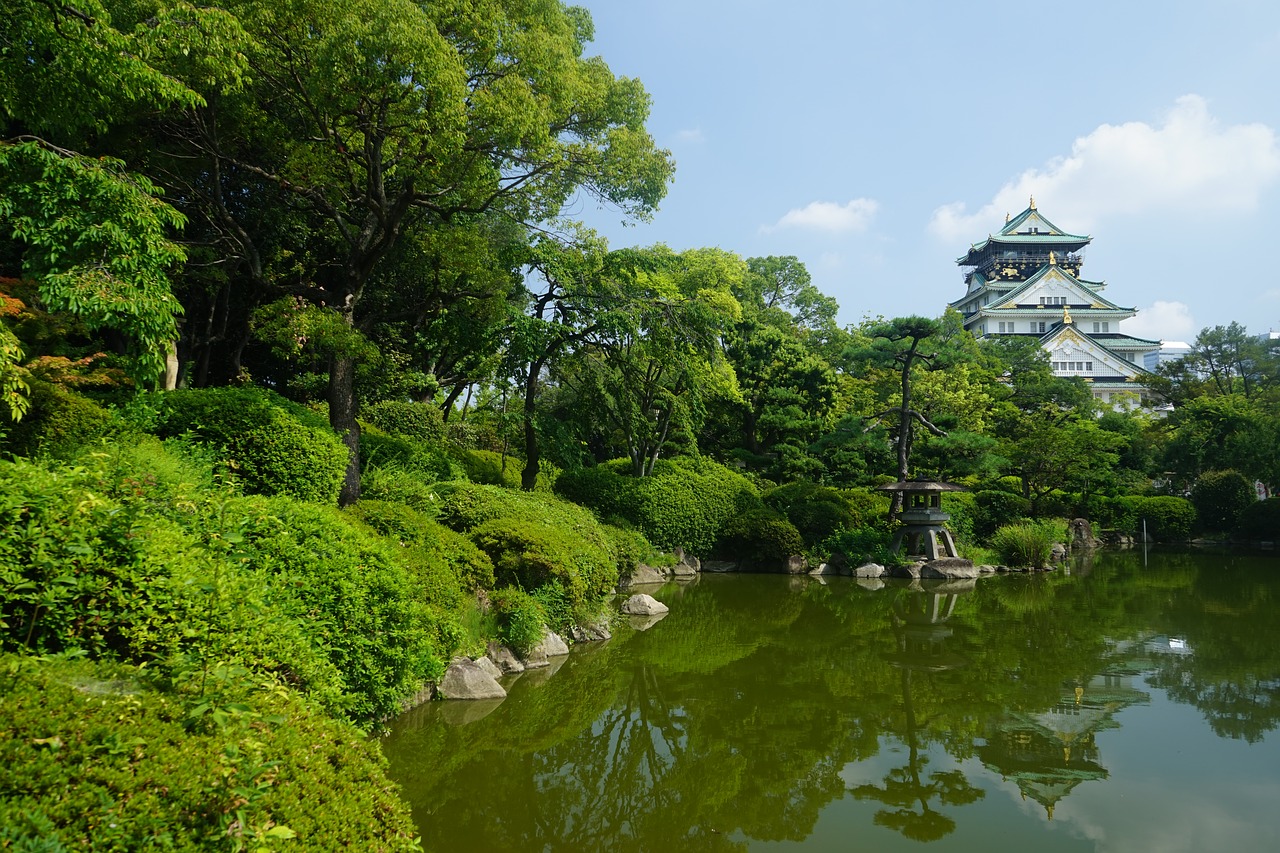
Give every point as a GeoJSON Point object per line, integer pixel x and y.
{"type": "Point", "coordinates": [1126, 704]}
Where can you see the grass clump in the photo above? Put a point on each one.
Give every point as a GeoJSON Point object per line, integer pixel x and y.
{"type": "Point", "coordinates": [1028, 544]}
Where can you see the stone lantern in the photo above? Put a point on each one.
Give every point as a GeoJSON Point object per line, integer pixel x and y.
{"type": "Point", "coordinates": [924, 524]}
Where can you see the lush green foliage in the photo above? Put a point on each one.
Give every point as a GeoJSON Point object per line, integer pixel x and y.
{"type": "Point", "coordinates": [1169, 519]}
{"type": "Point", "coordinates": [862, 545]}
{"type": "Point", "coordinates": [762, 536]}
{"type": "Point", "coordinates": [418, 421]}
{"type": "Point", "coordinates": [57, 423]}
{"type": "Point", "coordinates": [521, 618]}
{"type": "Point", "coordinates": [273, 447]}
{"type": "Point", "coordinates": [1261, 521]}
{"type": "Point", "coordinates": [684, 503]}
{"type": "Point", "coordinates": [109, 757]}
{"type": "Point", "coordinates": [816, 511]}
{"type": "Point", "coordinates": [995, 509]}
{"type": "Point", "coordinates": [384, 450]}
{"type": "Point", "coordinates": [1028, 544]}
{"type": "Point", "coordinates": [1220, 497]}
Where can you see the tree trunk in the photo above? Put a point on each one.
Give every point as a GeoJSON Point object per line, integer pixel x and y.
{"type": "Point", "coordinates": [343, 408]}
{"type": "Point", "coordinates": [529, 476]}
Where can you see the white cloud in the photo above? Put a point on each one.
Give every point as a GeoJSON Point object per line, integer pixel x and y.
{"type": "Point", "coordinates": [856, 215]}
{"type": "Point", "coordinates": [691, 135]}
{"type": "Point", "coordinates": [1162, 321]}
{"type": "Point", "coordinates": [1189, 163]}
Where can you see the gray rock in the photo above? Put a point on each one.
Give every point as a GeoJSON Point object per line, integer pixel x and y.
{"type": "Point", "coordinates": [911, 570]}
{"type": "Point", "coordinates": [869, 570]}
{"type": "Point", "coordinates": [685, 564]}
{"type": "Point", "coordinates": [591, 632]}
{"type": "Point", "coordinates": [949, 567]}
{"type": "Point", "coordinates": [504, 658]}
{"type": "Point", "coordinates": [552, 645]}
{"type": "Point", "coordinates": [986, 569]}
{"type": "Point", "coordinates": [642, 574]}
{"type": "Point", "coordinates": [796, 564]}
{"type": "Point", "coordinates": [720, 565]}
{"type": "Point", "coordinates": [643, 605]}
{"type": "Point", "coordinates": [488, 666]}
{"type": "Point", "coordinates": [1058, 552]}
{"type": "Point", "coordinates": [464, 680]}
{"type": "Point", "coordinates": [825, 569]}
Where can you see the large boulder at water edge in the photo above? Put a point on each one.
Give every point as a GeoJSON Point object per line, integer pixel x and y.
{"type": "Point", "coordinates": [643, 605]}
{"type": "Point", "coordinates": [464, 680]}
{"type": "Point", "coordinates": [642, 574]}
{"type": "Point", "coordinates": [949, 567]}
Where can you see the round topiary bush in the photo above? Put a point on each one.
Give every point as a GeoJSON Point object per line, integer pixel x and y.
{"type": "Point", "coordinates": [1168, 518]}
{"type": "Point", "coordinates": [58, 422]}
{"type": "Point", "coordinates": [1220, 497]}
{"type": "Point", "coordinates": [272, 446]}
{"type": "Point", "coordinates": [1260, 521]}
{"type": "Point", "coordinates": [763, 536]}
{"type": "Point", "coordinates": [421, 422]}
{"type": "Point", "coordinates": [530, 553]}
{"type": "Point", "coordinates": [816, 511]}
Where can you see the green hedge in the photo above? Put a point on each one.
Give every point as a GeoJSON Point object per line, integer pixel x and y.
{"type": "Point", "coordinates": [995, 509]}
{"type": "Point", "coordinates": [1261, 521]}
{"type": "Point", "coordinates": [761, 535]}
{"type": "Point", "coordinates": [683, 504]}
{"type": "Point", "coordinates": [379, 449]}
{"type": "Point", "coordinates": [1220, 497]}
{"type": "Point", "coordinates": [1169, 519]}
{"type": "Point", "coordinates": [816, 511]}
{"type": "Point", "coordinates": [101, 757]}
{"type": "Point", "coordinates": [421, 422]}
{"type": "Point", "coordinates": [272, 446]}
{"type": "Point", "coordinates": [58, 423]}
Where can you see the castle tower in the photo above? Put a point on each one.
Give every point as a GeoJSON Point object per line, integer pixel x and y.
{"type": "Point", "coordinates": [1026, 280]}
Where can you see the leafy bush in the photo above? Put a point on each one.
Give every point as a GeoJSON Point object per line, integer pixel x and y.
{"type": "Point", "coordinates": [815, 511]}
{"type": "Point", "coordinates": [1220, 497]}
{"type": "Point", "coordinates": [421, 422]}
{"type": "Point", "coordinates": [273, 446]}
{"type": "Point", "coordinates": [354, 596]}
{"type": "Point", "coordinates": [1169, 519]}
{"type": "Point", "coordinates": [1261, 520]}
{"type": "Point", "coordinates": [529, 553]}
{"type": "Point", "coordinates": [99, 756]}
{"type": "Point", "coordinates": [379, 449]}
{"type": "Point", "coordinates": [1028, 543]}
{"type": "Point", "coordinates": [683, 504]}
{"type": "Point", "coordinates": [521, 618]}
{"type": "Point", "coordinates": [862, 545]}
{"type": "Point", "coordinates": [398, 485]}
{"type": "Point", "coordinates": [763, 535]}
{"type": "Point", "coordinates": [995, 509]}
{"type": "Point", "coordinates": [84, 570]}
{"type": "Point", "coordinates": [58, 422]}
{"type": "Point", "coordinates": [631, 549]}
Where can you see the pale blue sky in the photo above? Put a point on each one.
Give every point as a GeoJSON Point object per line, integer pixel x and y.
{"type": "Point", "coordinates": [877, 140]}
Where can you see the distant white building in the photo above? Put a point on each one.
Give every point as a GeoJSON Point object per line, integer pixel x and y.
{"type": "Point", "coordinates": [1169, 351]}
{"type": "Point", "coordinates": [1025, 280]}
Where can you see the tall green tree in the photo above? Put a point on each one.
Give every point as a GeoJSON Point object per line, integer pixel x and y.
{"type": "Point", "coordinates": [370, 120]}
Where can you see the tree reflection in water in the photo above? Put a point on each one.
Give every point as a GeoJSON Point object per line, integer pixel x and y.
{"type": "Point", "coordinates": [737, 718]}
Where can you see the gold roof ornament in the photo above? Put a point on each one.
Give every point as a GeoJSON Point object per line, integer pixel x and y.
{"type": "Point", "coordinates": [1006, 218]}
{"type": "Point", "coordinates": [1033, 202]}
{"type": "Point", "coordinates": [1066, 316]}
{"type": "Point", "coordinates": [1053, 259]}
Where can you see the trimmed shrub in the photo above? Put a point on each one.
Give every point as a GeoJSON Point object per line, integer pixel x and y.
{"type": "Point", "coordinates": [1028, 543]}
{"type": "Point", "coordinates": [631, 549]}
{"type": "Point", "coordinates": [1261, 521]}
{"type": "Point", "coordinates": [529, 553]}
{"type": "Point", "coordinates": [348, 588]}
{"type": "Point", "coordinates": [58, 423]}
{"type": "Point", "coordinates": [762, 535]}
{"type": "Point", "coordinates": [815, 511]}
{"type": "Point", "coordinates": [1219, 498]}
{"type": "Point", "coordinates": [100, 757]}
{"type": "Point", "coordinates": [1169, 519]}
{"type": "Point", "coordinates": [683, 504]}
{"type": "Point", "coordinates": [995, 509]}
{"type": "Point", "coordinates": [421, 422]}
{"type": "Point", "coordinates": [273, 447]}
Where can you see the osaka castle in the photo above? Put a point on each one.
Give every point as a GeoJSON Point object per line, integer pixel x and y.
{"type": "Point", "coordinates": [1025, 280]}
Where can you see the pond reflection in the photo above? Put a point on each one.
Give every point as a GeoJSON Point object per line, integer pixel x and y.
{"type": "Point", "coordinates": [959, 713]}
